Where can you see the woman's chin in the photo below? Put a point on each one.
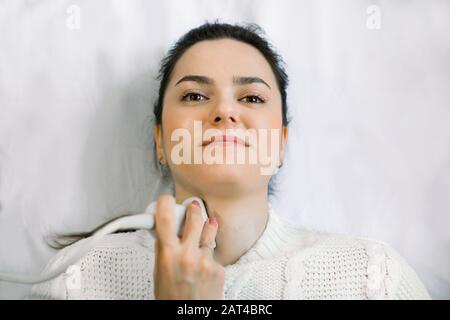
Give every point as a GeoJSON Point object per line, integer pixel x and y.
{"type": "Point", "coordinates": [222, 175]}
{"type": "Point", "coordinates": [226, 172]}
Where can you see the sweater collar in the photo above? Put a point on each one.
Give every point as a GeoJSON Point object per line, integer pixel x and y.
{"type": "Point", "coordinates": [274, 240]}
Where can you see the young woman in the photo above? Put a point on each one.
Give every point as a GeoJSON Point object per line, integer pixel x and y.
{"type": "Point", "coordinates": [227, 77]}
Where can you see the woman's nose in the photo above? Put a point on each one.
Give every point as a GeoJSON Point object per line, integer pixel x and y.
{"type": "Point", "coordinates": [224, 113]}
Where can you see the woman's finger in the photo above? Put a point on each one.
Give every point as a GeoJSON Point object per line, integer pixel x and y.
{"type": "Point", "coordinates": [165, 221]}
{"type": "Point", "coordinates": [208, 236]}
{"type": "Point", "coordinates": [193, 225]}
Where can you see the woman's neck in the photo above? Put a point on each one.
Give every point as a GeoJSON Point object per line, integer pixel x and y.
{"type": "Point", "coordinates": [241, 219]}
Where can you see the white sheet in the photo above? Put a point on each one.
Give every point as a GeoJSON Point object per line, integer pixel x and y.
{"type": "Point", "coordinates": [369, 145]}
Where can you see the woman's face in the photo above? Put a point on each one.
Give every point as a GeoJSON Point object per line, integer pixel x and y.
{"type": "Point", "coordinates": [218, 86]}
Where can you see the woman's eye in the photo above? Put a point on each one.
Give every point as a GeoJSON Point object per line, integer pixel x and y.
{"type": "Point", "coordinates": [253, 99]}
{"type": "Point", "coordinates": [192, 96]}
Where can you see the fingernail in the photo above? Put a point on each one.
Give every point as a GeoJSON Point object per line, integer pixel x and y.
{"type": "Point", "coordinates": [213, 221]}
{"type": "Point", "coordinates": [196, 203]}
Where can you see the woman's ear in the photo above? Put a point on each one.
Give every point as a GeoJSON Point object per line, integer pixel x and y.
{"type": "Point", "coordinates": [284, 138]}
{"type": "Point", "coordinates": [159, 144]}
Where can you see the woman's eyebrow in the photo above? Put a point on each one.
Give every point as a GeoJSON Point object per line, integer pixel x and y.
{"type": "Point", "coordinates": [249, 80]}
{"type": "Point", "coordinates": [209, 81]}
{"type": "Point", "coordinates": [196, 78]}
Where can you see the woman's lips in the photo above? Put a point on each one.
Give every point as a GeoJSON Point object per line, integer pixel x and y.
{"type": "Point", "coordinates": [224, 140]}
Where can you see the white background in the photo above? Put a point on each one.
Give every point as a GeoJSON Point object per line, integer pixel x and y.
{"type": "Point", "coordinates": [369, 151]}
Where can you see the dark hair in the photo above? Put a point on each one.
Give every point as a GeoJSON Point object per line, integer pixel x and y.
{"type": "Point", "coordinates": [250, 34]}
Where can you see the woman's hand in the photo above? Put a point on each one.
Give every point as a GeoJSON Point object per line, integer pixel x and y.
{"type": "Point", "coordinates": [185, 268]}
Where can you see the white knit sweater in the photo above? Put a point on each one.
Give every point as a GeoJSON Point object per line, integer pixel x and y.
{"type": "Point", "coordinates": [285, 263]}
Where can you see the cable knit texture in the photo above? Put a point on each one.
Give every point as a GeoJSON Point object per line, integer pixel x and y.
{"type": "Point", "coordinates": [285, 263]}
